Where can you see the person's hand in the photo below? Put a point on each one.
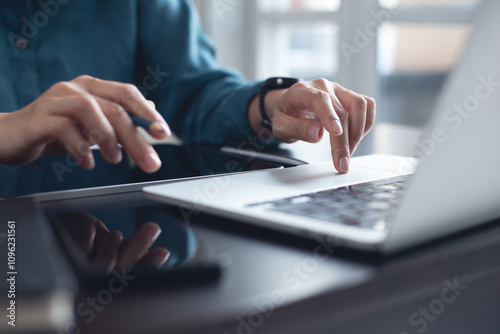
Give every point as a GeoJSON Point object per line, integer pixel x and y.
{"type": "Point", "coordinates": [72, 116]}
{"type": "Point", "coordinates": [303, 111]}
{"type": "Point", "coordinates": [108, 250]}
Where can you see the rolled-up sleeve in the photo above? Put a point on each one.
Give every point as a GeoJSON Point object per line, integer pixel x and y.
{"type": "Point", "coordinates": [178, 70]}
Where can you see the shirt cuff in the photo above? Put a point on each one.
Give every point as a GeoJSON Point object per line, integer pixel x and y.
{"type": "Point", "coordinates": [237, 130]}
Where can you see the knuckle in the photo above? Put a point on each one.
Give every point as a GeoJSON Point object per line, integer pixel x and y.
{"type": "Point", "coordinates": [115, 112]}
{"type": "Point", "coordinates": [337, 86]}
{"type": "Point", "coordinates": [371, 102]}
{"type": "Point", "coordinates": [322, 82]}
{"type": "Point", "coordinates": [359, 103]}
{"type": "Point", "coordinates": [85, 78]}
{"type": "Point", "coordinates": [83, 102]}
{"type": "Point", "coordinates": [321, 95]}
{"type": "Point", "coordinates": [62, 86]}
{"type": "Point", "coordinates": [129, 91]}
{"type": "Point", "coordinates": [301, 128]}
{"type": "Point", "coordinates": [299, 85]}
{"type": "Point", "coordinates": [61, 126]}
{"type": "Point", "coordinates": [342, 113]}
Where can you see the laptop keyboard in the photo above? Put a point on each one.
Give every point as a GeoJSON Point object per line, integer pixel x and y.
{"type": "Point", "coordinates": [368, 205]}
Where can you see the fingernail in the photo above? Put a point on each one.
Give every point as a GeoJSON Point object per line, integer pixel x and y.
{"type": "Point", "coordinates": [344, 165]}
{"type": "Point", "coordinates": [313, 133]}
{"type": "Point", "coordinates": [116, 155]}
{"type": "Point", "coordinates": [166, 129]}
{"type": "Point", "coordinates": [90, 162]}
{"type": "Point", "coordinates": [337, 127]}
{"type": "Point", "coordinates": [152, 162]}
{"type": "Point", "coordinates": [149, 234]}
{"type": "Point", "coordinates": [162, 259]}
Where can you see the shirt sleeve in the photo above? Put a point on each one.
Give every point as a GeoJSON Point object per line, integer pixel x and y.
{"type": "Point", "coordinates": [178, 70]}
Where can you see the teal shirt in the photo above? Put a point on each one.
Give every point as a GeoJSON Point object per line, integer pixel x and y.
{"type": "Point", "coordinates": [158, 45]}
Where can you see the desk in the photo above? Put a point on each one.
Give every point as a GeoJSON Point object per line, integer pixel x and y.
{"type": "Point", "coordinates": [345, 292]}
{"type": "Point", "coordinates": [274, 283]}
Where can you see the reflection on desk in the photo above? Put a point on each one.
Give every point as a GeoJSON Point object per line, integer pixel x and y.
{"type": "Point", "coordinates": [144, 242]}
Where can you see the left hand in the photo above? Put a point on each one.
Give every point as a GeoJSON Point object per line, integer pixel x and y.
{"type": "Point", "coordinates": [303, 111]}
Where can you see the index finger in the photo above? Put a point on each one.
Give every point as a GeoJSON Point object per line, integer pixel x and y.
{"type": "Point", "coordinates": [138, 244]}
{"type": "Point", "coordinates": [322, 104]}
{"type": "Point", "coordinates": [126, 95]}
{"type": "Point", "coordinates": [340, 147]}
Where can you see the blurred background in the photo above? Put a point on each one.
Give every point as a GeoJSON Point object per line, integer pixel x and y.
{"type": "Point", "coordinates": [398, 51]}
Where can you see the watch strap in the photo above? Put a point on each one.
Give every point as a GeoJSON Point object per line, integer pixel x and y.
{"type": "Point", "coordinates": [272, 84]}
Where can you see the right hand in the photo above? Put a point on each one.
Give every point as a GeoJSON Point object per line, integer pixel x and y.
{"type": "Point", "coordinates": [109, 250]}
{"type": "Point", "coordinates": [72, 116]}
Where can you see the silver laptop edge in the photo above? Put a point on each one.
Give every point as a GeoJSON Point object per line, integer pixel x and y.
{"type": "Point", "coordinates": [456, 187]}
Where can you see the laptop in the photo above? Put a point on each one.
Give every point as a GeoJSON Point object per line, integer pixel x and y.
{"type": "Point", "coordinates": [385, 203]}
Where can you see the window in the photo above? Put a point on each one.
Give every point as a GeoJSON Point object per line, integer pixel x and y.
{"type": "Point", "coordinates": [286, 49]}
{"type": "Point", "coordinates": [283, 6]}
{"type": "Point", "coordinates": [398, 51]}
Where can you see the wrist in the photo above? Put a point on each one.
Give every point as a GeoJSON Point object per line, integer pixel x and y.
{"type": "Point", "coordinates": [270, 101]}
{"type": "Point", "coordinates": [272, 84]}
{"type": "Point", "coordinates": [262, 107]}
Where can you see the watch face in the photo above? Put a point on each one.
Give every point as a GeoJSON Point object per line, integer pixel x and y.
{"type": "Point", "coordinates": [280, 83]}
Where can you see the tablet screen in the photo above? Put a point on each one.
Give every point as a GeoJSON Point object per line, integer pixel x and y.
{"type": "Point", "coordinates": [62, 173]}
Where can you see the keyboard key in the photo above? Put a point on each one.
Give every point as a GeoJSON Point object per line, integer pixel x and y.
{"type": "Point", "coordinates": [365, 206]}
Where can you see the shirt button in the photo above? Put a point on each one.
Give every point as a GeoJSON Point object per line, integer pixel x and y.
{"type": "Point", "coordinates": [22, 44]}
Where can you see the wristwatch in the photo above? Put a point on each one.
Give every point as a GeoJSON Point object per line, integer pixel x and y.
{"type": "Point", "coordinates": [269, 85]}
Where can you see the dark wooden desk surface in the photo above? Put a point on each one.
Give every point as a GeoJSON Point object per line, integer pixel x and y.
{"type": "Point", "coordinates": [275, 283]}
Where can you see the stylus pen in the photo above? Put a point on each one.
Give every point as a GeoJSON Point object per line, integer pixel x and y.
{"type": "Point", "coordinates": [151, 126]}
{"type": "Point", "coordinates": [263, 156]}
